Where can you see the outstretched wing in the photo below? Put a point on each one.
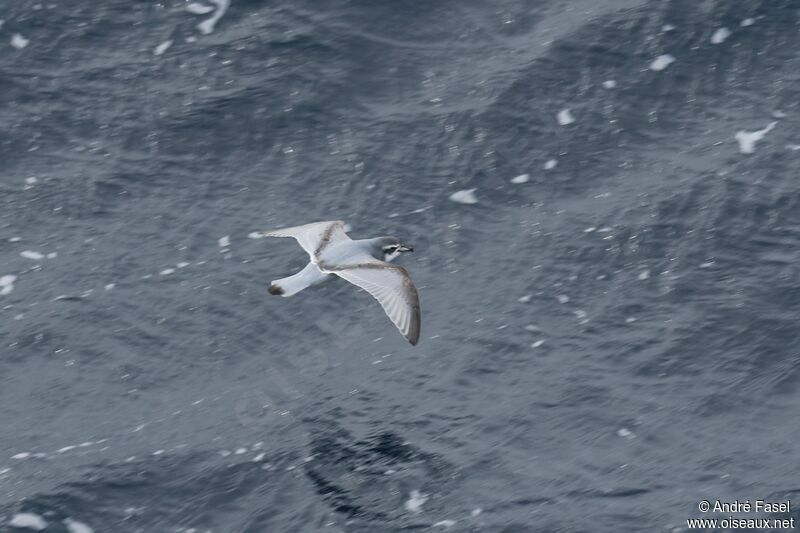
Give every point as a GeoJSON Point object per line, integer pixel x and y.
{"type": "Point", "coordinates": [391, 285]}
{"type": "Point", "coordinates": [312, 237]}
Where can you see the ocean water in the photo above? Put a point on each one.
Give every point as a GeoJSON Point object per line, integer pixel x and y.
{"type": "Point", "coordinates": [604, 203]}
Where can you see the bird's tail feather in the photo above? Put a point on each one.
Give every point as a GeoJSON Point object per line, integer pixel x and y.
{"type": "Point", "coordinates": [295, 283]}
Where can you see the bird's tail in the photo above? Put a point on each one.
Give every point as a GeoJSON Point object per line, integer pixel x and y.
{"type": "Point", "coordinates": [295, 283]}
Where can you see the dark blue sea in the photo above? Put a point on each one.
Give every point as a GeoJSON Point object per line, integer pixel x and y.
{"type": "Point", "coordinates": [604, 201]}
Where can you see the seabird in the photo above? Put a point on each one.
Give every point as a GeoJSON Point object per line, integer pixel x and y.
{"type": "Point", "coordinates": [362, 262]}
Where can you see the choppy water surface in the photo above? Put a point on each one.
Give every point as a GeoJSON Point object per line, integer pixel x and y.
{"type": "Point", "coordinates": [602, 196]}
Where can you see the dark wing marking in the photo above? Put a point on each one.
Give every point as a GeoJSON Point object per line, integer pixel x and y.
{"type": "Point", "coordinates": [314, 237]}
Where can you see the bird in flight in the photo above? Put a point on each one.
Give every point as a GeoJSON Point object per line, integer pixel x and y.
{"type": "Point", "coordinates": [362, 262]}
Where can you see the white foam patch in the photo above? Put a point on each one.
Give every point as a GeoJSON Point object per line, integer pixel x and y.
{"type": "Point", "coordinates": [537, 343]}
{"type": "Point", "coordinates": [73, 526]}
{"type": "Point", "coordinates": [445, 523]}
{"type": "Point", "coordinates": [161, 48]}
{"type": "Point", "coordinates": [255, 235]}
{"type": "Point", "coordinates": [644, 274]}
{"type": "Point", "coordinates": [525, 299]}
{"type": "Point", "coordinates": [18, 41]}
{"type": "Point", "coordinates": [28, 520]}
{"type": "Point", "coordinates": [415, 501]}
{"type": "Point", "coordinates": [662, 62]}
{"type": "Point", "coordinates": [20, 456]}
{"type": "Point", "coordinates": [625, 432]}
{"type": "Point", "coordinates": [30, 254]}
{"type": "Point", "coordinates": [720, 35]}
{"type": "Point", "coordinates": [207, 26]}
{"type": "Point", "coordinates": [52, 255]}
{"type": "Point", "coordinates": [522, 178]}
{"type": "Point", "coordinates": [32, 180]}
{"type": "Point", "coordinates": [110, 286]}
{"type": "Point", "coordinates": [747, 139]}
{"type": "Point", "coordinates": [15, 239]}
{"type": "Point", "coordinates": [7, 284]}
{"type": "Point", "coordinates": [667, 27]}
{"type": "Point", "coordinates": [182, 264]}
{"type": "Point", "coordinates": [550, 164]}
{"type": "Point", "coordinates": [565, 117]}
{"type": "Point", "coordinates": [562, 298]}
{"type": "Point", "coordinates": [466, 196]}
{"type": "Point", "coordinates": [609, 84]}
{"type": "Point", "coordinates": [224, 242]}
{"type": "Point", "coordinates": [747, 22]}
{"type": "Point", "coordinates": [167, 271]}
{"type": "Point", "coordinates": [196, 8]}
{"type": "Point", "coordinates": [476, 512]}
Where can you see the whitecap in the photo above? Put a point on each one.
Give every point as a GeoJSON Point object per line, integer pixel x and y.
{"type": "Point", "coordinates": [609, 84]}
{"type": "Point", "coordinates": [720, 35]}
{"type": "Point", "coordinates": [30, 254]}
{"type": "Point", "coordinates": [161, 48]}
{"type": "Point", "coordinates": [18, 41]}
{"type": "Point", "coordinates": [415, 501]}
{"type": "Point", "coordinates": [522, 178]}
{"type": "Point", "coordinates": [747, 139]}
{"type": "Point", "coordinates": [565, 117]}
{"type": "Point", "coordinates": [73, 526]}
{"type": "Point", "coordinates": [196, 8]}
{"type": "Point", "coordinates": [550, 164]}
{"type": "Point", "coordinates": [28, 520]}
{"type": "Point", "coordinates": [625, 432]}
{"type": "Point", "coordinates": [7, 284]}
{"type": "Point", "coordinates": [207, 26]}
{"type": "Point", "coordinates": [466, 196]}
{"type": "Point", "coordinates": [662, 62]}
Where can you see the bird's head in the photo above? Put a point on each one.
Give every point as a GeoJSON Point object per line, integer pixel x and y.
{"type": "Point", "coordinates": [392, 247]}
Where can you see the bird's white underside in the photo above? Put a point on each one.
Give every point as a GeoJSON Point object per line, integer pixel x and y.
{"type": "Point", "coordinates": [327, 245]}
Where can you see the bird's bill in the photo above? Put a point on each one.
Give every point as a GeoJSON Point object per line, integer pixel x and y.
{"type": "Point", "coordinates": [404, 248]}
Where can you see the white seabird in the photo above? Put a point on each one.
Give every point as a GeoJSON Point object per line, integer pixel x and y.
{"type": "Point", "coordinates": [362, 262]}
